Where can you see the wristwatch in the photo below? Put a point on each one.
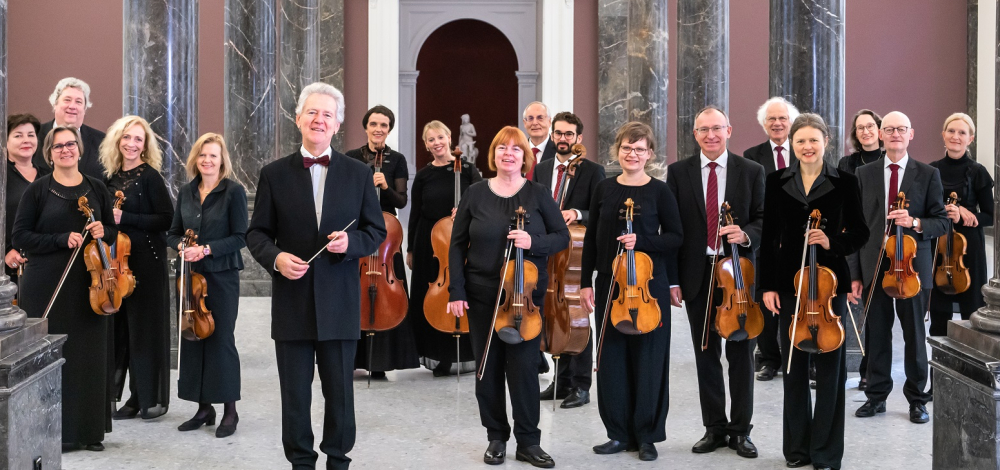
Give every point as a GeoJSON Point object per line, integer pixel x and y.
{"type": "Point", "coordinates": [208, 250]}
{"type": "Point", "coordinates": [916, 224]}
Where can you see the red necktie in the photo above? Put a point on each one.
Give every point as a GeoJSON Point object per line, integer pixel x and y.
{"type": "Point", "coordinates": [559, 180]}
{"type": "Point", "coordinates": [781, 158]}
{"type": "Point", "coordinates": [534, 150]}
{"type": "Point", "coordinates": [712, 206]}
{"type": "Point", "coordinates": [531, 172]}
{"type": "Point", "coordinates": [308, 162]}
{"type": "Point", "coordinates": [893, 184]}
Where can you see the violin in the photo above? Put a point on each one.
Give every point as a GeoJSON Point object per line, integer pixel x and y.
{"type": "Point", "coordinates": [815, 328]}
{"type": "Point", "coordinates": [121, 249]}
{"type": "Point", "coordinates": [194, 318]}
{"type": "Point", "coordinates": [106, 287]}
{"type": "Point", "coordinates": [436, 299]}
{"type": "Point", "coordinates": [634, 310]}
{"type": "Point", "coordinates": [951, 276]}
{"type": "Point", "coordinates": [739, 317]}
{"type": "Point", "coordinates": [901, 281]}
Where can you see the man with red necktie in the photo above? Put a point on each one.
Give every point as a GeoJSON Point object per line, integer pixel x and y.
{"type": "Point", "coordinates": [536, 121]}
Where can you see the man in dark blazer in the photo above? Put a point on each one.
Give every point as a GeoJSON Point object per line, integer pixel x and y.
{"type": "Point", "coordinates": [536, 122]}
{"type": "Point", "coordinates": [775, 116]}
{"type": "Point", "coordinates": [575, 372]}
{"type": "Point", "coordinates": [303, 204]}
{"type": "Point", "coordinates": [741, 183]}
{"type": "Point", "coordinates": [924, 219]}
{"type": "Point", "coordinates": [70, 101]}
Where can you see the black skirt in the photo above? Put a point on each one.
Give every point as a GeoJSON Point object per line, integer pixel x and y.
{"type": "Point", "coordinates": [975, 261]}
{"type": "Point", "coordinates": [210, 368]}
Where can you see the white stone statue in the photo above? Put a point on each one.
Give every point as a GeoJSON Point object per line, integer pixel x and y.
{"type": "Point", "coordinates": [466, 142]}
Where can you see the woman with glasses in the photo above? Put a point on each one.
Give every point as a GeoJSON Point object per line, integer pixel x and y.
{"type": "Point", "coordinates": [864, 141]}
{"type": "Point", "coordinates": [22, 140]}
{"type": "Point", "coordinates": [49, 227]}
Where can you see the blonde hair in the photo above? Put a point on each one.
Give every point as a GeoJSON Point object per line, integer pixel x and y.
{"type": "Point", "coordinates": [110, 152]}
{"type": "Point", "coordinates": [960, 117]}
{"type": "Point", "coordinates": [508, 134]}
{"type": "Point", "coordinates": [435, 125]}
{"type": "Point", "coordinates": [205, 139]}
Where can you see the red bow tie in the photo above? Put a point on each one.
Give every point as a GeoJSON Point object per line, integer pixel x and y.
{"type": "Point", "coordinates": [308, 162]}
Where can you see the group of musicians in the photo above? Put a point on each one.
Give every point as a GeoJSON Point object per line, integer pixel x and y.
{"type": "Point", "coordinates": [645, 239]}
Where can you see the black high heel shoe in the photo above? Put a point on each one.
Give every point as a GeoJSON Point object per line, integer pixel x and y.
{"type": "Point", "coordinates": [226, 430]}
{"type": "Point", "coordinates": [125, 412]}
{"type": "Point", "coordinates": [195, 423]}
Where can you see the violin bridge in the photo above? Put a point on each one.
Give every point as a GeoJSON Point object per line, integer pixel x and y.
{"type": "Point", "coordinates": [377, 273]}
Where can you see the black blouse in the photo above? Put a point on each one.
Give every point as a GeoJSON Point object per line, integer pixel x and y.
{"type": "Point", "coordinates": [973, 184]}
{"type": "Point", "coordinates": [16, 184]}
{"type": "Point", "coordinates": [146, 212]}
{"type": "Point", "coordinates": [221, 222]}
{"type": "Point", "coordinates": [37, 233]}
{"type": "Point", "coordinates": [434, 194]}
{"type": "Point", "coordinates": [396, 174]}
{"type": "Point", "coordinates": [852, 162]}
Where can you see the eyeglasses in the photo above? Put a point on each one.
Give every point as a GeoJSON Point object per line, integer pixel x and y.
{"type": "Point", "coordinates": [774, 119]}
{"type": "Point", "coordinates": [68, 146]}
{"type": "Point", "coordinates": [639, 151]}
{"type": "Point", "coordinates": [892, 130]}
{"type": "Point", "coordinates": [870, 127]}
{"type": "Point", "coordinates": [536, 118]}
{"type": "Point", "coordinates": [715, 129]}
{"type": "Point", "coordinates": [564, 135]}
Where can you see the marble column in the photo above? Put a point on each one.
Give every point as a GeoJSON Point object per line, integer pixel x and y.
{"type": "Point", "coordinates": [632, 74]}
{"type": "Point", "coordinates": [702, 65]}
{"type": "Point", "coordinates": [807, 61]}
{"type": "Point", "coordinates": [160, 76]}
{"type": "Point", "coordinates": [10, 316]}
{"type": "Point", "coordinates": [972, 66]}
{"type": "Point", "coordinates": [312, 49]}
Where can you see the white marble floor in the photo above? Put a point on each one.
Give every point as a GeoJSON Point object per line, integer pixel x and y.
{"type": "Point", "coordinates": [415, 421]}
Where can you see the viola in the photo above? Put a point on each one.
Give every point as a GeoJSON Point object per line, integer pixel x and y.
{"type": "Point", "coordinates": [121, 249]}
{"type": "Point", "coordinates": [950, 274]}
{"type": "Point", "coordinates": [634, 310]}
{"type": "Point", "coordinates": [436, 299]}
{"type": "Point", "coordinates": [901, 281]}
{"type": "Point", "coordinates": [106, 288]}
{"type": "Point", "coordinates": [194, 318]}
{"type": "Point", "coordinates": [815, 328]}
{"type": "Point", "coordinates": [738, 318]}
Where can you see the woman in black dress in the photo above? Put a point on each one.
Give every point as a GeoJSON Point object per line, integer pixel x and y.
{"type": "Point", "coordinates": [48, 228]}
{"type": "Point", "coordinates": [132, 159]}
{"type": "Point", "coordinates": [632, 382]}
{"type": "Point", "coordinates": [434, 199]}
{"type": "Point", "coordinates": [864, 141]}
{"type": "Point", "coordinates": [974, 211]}
{"type": "Point", "coordinates": [482, 231]}
{"type": "Point", "coordinates": [22, 140]}
{"type": "Point", "coordinates": [393, 349]}
{"type": "Point", "coordinates": [810, 435]}
{"type": "Point", "coordinates": [215, 207]}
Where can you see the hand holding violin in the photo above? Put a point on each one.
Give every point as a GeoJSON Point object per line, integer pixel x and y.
{"type": "Point", "coordinates": [818, 237]}
{"type": "Point", "coordinates": [628, 240]}
{"type": "Point", "coordinates": [902, 218]}
{"type": "Point", "coordinates": [521, 239]}
{"type": "Point", "coordinates": [96, 229]}
{"type": "Point", "coordinates": [118, 215]}
{"type": "Point", "coordinates": [959, 214]}
{"type": "Point", "coordinates": [734, 234]}
{"type": "Point", "coordinates": [379, 179]}
{"type": "Point", "coordinates": [194, 253]}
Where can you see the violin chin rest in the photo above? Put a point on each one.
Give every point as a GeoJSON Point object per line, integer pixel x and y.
{"type": "Point", "coordinates": [627, 327]}
{"type": "Point", "coordinates": [808, 346]}
{"type": "Point", "coordinates": [738, 335]}
{"type": "Point", "coordinates": [510, 335]}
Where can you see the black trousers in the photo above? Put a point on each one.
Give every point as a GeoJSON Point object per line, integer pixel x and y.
{"type": "Point", "coordinates": [711, 385]}
{"type": "Point", "coordinates": [634, 377]}
{"type": "Point", "coordinates": [814, 434]}
{"type": "Point", "coordinates": [577, 370]}
{"type": "Point", "coordinates": [768, 343]}
{"type": "Point", "coordinates": [515, 363]}
{"type": "Point", "coordinates": [880, 320]}
{"type": "Point", "coordinates": [297, 363]}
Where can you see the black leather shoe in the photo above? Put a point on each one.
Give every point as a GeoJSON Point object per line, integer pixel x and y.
{"type": "Point", "coordinates": [870, 408]}
{"type": "Point", "coordinates": [226, 430]}
{"type": "Point", "coordinates": [797, 463]}
{"type": "Point", "coordinates": [495, 452]}
{"type": "Point", "coordinates": [153, 412]}
{"type": "Point", "coordinates": [547, 393]}
{"type": "Point", "coordinates": [125, 412]}
{"type": "Point", "coordinates": [918, 413]}
{"type": "Point", "coordinates": [863, 384]}
{"type": "Point", "coordinates": [535, 456]}
{"type": "Point", "coordinates": [577, 399]}
{"type": "Point", "coordinates": [822, 468]}
{"type": "Point", "coordinates": [767, 372]}
{"type": "Point", "coordinates": [647, 452]}
{"type": "Point", "coordinates": [743, 446]}
{"type": "Point", "coordinates": [95, 447]}
{"type": "Point", "coordinates": [443, 369]}
{"type": "Point", "coordinates": [195, 423]}
{"type": "Point", "coordinates": [709, 443]}
{"type": "Point", "coordinates": [613, 447]}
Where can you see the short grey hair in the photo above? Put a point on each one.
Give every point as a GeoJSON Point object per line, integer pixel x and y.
{"type": "Point", "coordinates": [321, 89]}
{"type": "Point", "coordinates": [524, 114]}
{"type": "Point", "coordinates": [793, 112]}
{"type": "Point", "coordinates": [71, 82]}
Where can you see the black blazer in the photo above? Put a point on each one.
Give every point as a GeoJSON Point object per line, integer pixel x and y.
{"type": "Point", "coordinates": [764, 156]}
{"type": "Point", "coordinates": [745, 193]}
{"type": "Point", "coordinates": [922, 185]}
{"type": "Point", "coordinates": [324, 303]}
{"type": "Point", "coordinates": [549, 152]}
{"type": "Point", "coordinates": [147, 213]}
{"type": "Point", "coordinates": [90, 159]}
{"type": "Point", "coordinates": [580, 188]}
{"type": "Point", "coordinates": [220, 223]}
{"type": "Point", "coordinates": [786, 213]}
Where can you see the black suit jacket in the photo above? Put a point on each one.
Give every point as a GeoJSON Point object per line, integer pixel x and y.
{"type": "Point", "coordinates": [579, 189]}
{"type": "Point", "coordinates": [324, 303]}
{"type": "Point", "coordinates": [550, 151]}
{"type": "Point", "coordinates": [922, 185]}
{"type": "Point", "coordinates": [745, 194]}
{"type": "Point", "coordinates": [90, 160]}
{"type": "Point", "coordinates": [763, 155]}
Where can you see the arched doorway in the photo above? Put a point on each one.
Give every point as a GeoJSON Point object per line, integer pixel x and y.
{"type": "Point", "coordinates": [466, 67]}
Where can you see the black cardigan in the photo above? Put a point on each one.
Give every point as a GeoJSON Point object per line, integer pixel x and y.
{"type": "Point", "coordinates": [221, 222]}
{"type": "Point", "coordinates": [146, 213]}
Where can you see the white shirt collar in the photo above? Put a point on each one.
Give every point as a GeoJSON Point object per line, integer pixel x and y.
{"type": "Point", "coordinates": [541, 146]}
{"type": "Point", "coordinates": [305, 153]}
{"type": "Point", "coordinates": [723, 159]}
{"type": "Point", "coordinates": [774, 145]}
{"type": "Point", "coordinates": [902, 161]}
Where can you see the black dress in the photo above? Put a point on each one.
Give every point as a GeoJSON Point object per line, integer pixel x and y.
{"type": "Point", "coordinates": [16, 184]}
{"type": "Point", "coordinates": [433, 198]}
{"type": "Point", "coordinates": [210, 368]}
{"type": "Point", "coordinates": [633, 379]}
{"type": "Point", "coordinates": [974, 186]}
{"type": "Point", "coordinates": [393, 349]}
{"type": "Point", "coordinates": [46, 216]}
{"type": "Point", "coordinates": [852, 162]}
{"type": "Point", "coordinates": [142, 326]}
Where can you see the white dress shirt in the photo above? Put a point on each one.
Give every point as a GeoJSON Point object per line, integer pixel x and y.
{"type": "Point", "coordinates": [555, 180]}
{"type": "Point", "coordinates": [785, 153]}
{"type": "Point", "coordinates": [899, 175]}
{"type": "Point", "coordinates": [540, 147]}
{"type": "Point", "coordinates": [720, 175]}
{"type": "Point", "coordinates": [318, 174]}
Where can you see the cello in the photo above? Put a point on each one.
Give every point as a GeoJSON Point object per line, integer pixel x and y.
{"type": "Point", "coordinates": [951, 276]}
{"type": "Point", "coordinates": [193, 316]}
{"type": "Point", "coordinates": [107, 288]}
{"type": "Point", "coordinates": [384, 308]}
{"type": "Point", "coordinates": [121, 249]}
{"type": "Point", "coordinates": [815, 328]}
{"type": "Point", "coordinates": [739, 317]}
{"type": "Point", "coordinates": [901, 281]}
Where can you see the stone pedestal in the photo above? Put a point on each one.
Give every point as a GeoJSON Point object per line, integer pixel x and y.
{"type": "Point", "coordinates": [966, 368]}
{"type": "Point", "coordinates": [31, 397]}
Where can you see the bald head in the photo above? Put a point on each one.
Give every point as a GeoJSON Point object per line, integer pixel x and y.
{"type": "Point", "coordinates": [896, 133]}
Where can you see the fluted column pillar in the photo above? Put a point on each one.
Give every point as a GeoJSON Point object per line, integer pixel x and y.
{"type": "Point", "coordinates": [11, 317]}
{"type": "Point", "coordinates": [160, 78]}
{"type": "Point", "coordinates": [632, 74]}
{"type": "Point", "coordinates": [807, 61]}
{"type": "Point", "coordinates": [702, 65]}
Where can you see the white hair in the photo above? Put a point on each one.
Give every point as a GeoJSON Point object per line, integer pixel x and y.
{"type": "Point", "coordinates": [71, 82]}
{"type": "Point", "coordinates": [793, 112]}
{"type": "Point", "coordinates": [524, 114]}
{"type": "Point", "coordinates": [321, 89]}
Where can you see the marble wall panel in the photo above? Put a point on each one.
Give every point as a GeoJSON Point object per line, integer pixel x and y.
{"type": "Point", "coordinates": [702, 65]}
{"type": "Point", "coordinates": [972, 68]}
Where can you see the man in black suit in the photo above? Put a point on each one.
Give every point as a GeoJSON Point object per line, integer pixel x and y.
{"type": "Point", "coordinates": [315, 303]}
{"type": "Point", "coordinates": [575, 372]}
{"type": "Point", "coordinates": [536, 124]}
{"type": "Point", "coordinates": [775, 116]}
{"type": "Point", "coordinates": [701, 184]}
{"type": "Point", "coordinates": [70, 101]}
{"type": "Point", "coordinates": [924, 219]}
